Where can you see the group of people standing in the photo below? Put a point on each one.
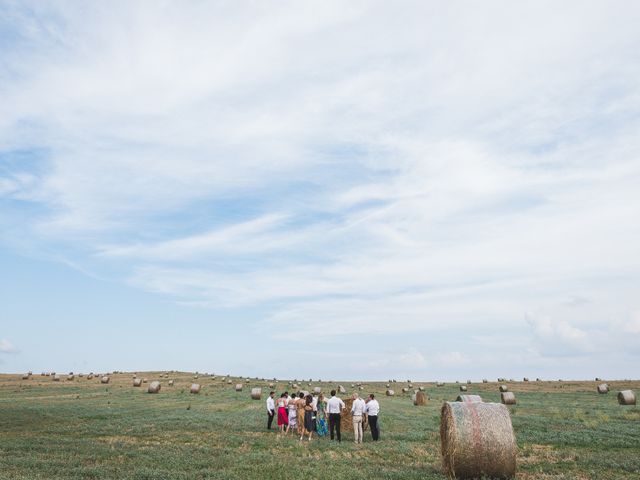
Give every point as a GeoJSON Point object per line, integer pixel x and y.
{"type": "Point", "coordinates": [308, 413]}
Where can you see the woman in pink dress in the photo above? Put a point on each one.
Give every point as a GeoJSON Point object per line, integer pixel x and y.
{"type": "Point", "coordinates": [283, 416]}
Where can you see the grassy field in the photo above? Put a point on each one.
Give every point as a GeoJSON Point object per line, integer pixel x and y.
{"type": "Point", "coordinates": [83, 429]}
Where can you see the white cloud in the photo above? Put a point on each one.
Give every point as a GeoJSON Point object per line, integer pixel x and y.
{"type": "Point", "coordinates": [7, 347]}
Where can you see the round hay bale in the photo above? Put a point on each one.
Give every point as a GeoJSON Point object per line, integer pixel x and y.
{"type": "Point", "coordinates": [390, 393]}
{"type": "Point", "coordinates": [56, 378]}
{"type": "Point", "coordinates": [439, 384]}
{"type": "Point", "coordinates": [271, 385]}
{"type": "Point", "coordinates": [295, 386]}
{"type": "Point", "coordinates": [25, 377]}
{"type": "Point", "coordinates": [477, 440]}
{"type": "Point", "coordinates": [525, 379]}
{"type": "Point", "coordinates": [410, 385]}
{"type": "Point", "coordinates": [238, 387]}
{"type": "Point", "coordinates": [538, 380]}
{"type": "Point", "coordinates": [405, 390]}
{"type": "Point", "coordinates": [154, 387]}
{"type": "Point", "coordinates": [341, 389]}
{"type": "Point", "coordinates": [484, 380]}
{"type": "Point", "coordinates": [421, 389]}
{"type": "Point", "coordinates": [317, 390]}
{"type": "Point", "coordinates": [598, 379]}
{"type": "Point", "coordinates": [504, 388]}
{"type": "Point", "coordinates": [104, 379]}
{"type": "Point", "coordinates": [419, 398]}
{"type": "Point", "coordinates": [603, 388]}
{"type": "Point", "coordinates": [388, 385]}
{"type": "Point", "coordinates": [171, 383]}
{"type": "Point", "coordinates": [145, 380]}
{"type": "Point", "coordinates": [469, 398]}
{"type": "Point", "coordinates": [195, 388]}
{"type": "Point", "coordinates": [137, 382]}
{"type": "Point", "coordinates": [626, 397]}
{"type": "Point", "coordinates": [463, 388]}
{"type": "Point", "coordinates": [90, 376]}
{"type": "Point", "coordinates": [508, 398]}
{"type": "Point", "coordinates": [70, 377]}
{"type": "Point", "coordinates": [256, 393]}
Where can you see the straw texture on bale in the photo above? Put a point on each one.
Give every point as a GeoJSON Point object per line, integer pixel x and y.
{"type": "Point", "coordinates": [463, 388]}
{"type": "Point", "coordinates": [508, 398]}
{"type": "Point", "coordinates": [603, 388]}
{"type": "Point", "coordinates": [238, 387]}
{"type": "Point", "coordinates": [419, 398]}
{"type": "Point", "coordinates": [477, 440]}
{"type": "Point", "coordinates": [346, 419]}
{"type": "Point", "coordinates": [137, 382]}
{"type": "Point", "coordinates": [154, 387]}
{"type": "Point", "coordinates": [195, 388]}
{"type": "Point", "coordinates": [504, 388]}
{"type": "Point", "coordinates": [256, 393]}
{"type": "Point", "coordinates": [469, 398]}
{"type": "Point", "coordinates": [390, 393]}
{"type": "Point", "coordinates": [626, 397]}
{"type": "Point", "coordinates": [104, 379]}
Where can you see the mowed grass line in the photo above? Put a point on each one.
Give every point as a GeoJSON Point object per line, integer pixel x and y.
{"type": "Point", "coordinates": [85, 430]}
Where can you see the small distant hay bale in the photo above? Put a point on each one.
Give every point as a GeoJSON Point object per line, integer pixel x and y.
{"type": "Point", "coordinates": [388, 385]}
{"type": "Point", "coordinates": [477, 440]}
{"type": "Point", "coordinates": [405, 390]}
{"type": "Point", "coordinates": [463, 388]}
{"type": "Point", "coordinates": [317, 390]}
{"type": "Point", "coordinates": [469, 398]}
{"type": "Point", "coordinates": [145, 380]}
{"type": "Point", "coordinates": [137, 382]}
{"type": "Point", "coordinates": [295, 386]}
{"type": "Point", "coordinates": [195, 388]}
{"type": "Point", "coordinates": [626, 397]}
{"type": "Point", "coordinates": [525, 379]}
{"type": "Point", "coordinates": [419, 398]}
{"type": "Point", "coordinates": [598, 379]}
{"type": "Point", "coordinates": [238, 387]}
{"type": "Point", "coordinates": [271, 385]}
{"type": "Point", "coordinates": [256, 393]}
{"type": "Point", "coordinates": [538, 380]}
{"type": "Point", "coordinates": [104, 379]}
{"type": "Point", "coordinates": [228, 382]}
{"type": "Point", "coordinates": [56, 378]}
{"type": "Point", "coordinates": [25, 376]}
{"type": "Point", "coordinates": [504, 388]}
{"type": "Point", "coordinates": [508, 398]}
{"type": "Point", "coordinates": [390, 393]}
{"type": "Point", "coordinates": [90, 376]}
{"type": "Point", "coordinates": [70, 377]}
{"type": "Point", "coordinates": [484, 380]}
{"type": "Point", "coordinates": [171, 383]}
{"type": "Point", "coordinates": [603, 388]}
{"type": "Point", "coordinates": [410, 385]}
{"type": "Point", "coordinates": [439, 384]}
{"type": "Point", "coordinates": [341, 389]}
{"type": "Point", "coordinates": [154, 387]}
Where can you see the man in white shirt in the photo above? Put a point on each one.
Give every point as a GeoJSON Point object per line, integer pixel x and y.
{"type": "Point", "coordinates": [372, 409]}
{"type": "Point", "coordinates": [271, 409]}
{"type": "Point", "coordinates": [334, 408]}
{"type": "Point", "coordinates": [357, 412]}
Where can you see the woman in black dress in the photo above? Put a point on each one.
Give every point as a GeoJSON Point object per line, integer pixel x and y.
{"type": "Point", "coordinates": [309, 420]}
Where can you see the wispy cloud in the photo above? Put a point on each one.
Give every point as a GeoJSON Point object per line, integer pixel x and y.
{"type": "Point", "coordinates": [392, 169]}
{"type": "Point", "coordinates": [7, 347]}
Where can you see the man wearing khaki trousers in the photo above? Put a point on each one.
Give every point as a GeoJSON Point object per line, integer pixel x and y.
{"type": "Point", "coordinates": [357, 412]}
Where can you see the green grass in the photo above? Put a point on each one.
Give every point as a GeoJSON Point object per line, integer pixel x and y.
{"type": "Point", "coordinates": [86, 430]}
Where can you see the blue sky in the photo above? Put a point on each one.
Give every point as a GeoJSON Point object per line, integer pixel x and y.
{"type": "Point", "coordinates": [426, 190]}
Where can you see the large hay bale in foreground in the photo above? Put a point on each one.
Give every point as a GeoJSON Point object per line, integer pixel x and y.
{"type": "Point", "coordinates": [104, 379]}
{"type": "Point", "coordinates": [477, 440]}
{"type": "Point", "coordinates": [508, 398]}
{"type": "Point", "coordinates": [256, 393]}
{"type": "Point", "coordinates": [137, 382]}
{"type": "Point", "coordinates": [504, 388]}
{"type": "Point", "coordinates": [195, 388]}
{"type": "Point", "coordinates": [419, 398]}
{"type": "Point", "coordinates": [390, 393]}
{"type": "Point", "coordinates": [238, 387]}
{"type": "Point", "coordinates": [603, 388]}
{"type": "Point", "coordinates": [626, 397]}
{"type": "Point", "coordinates": [154, 387]}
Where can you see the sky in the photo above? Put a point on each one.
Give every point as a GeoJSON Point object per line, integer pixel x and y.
{"type": "Point", "coordinates": [433, 190]}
